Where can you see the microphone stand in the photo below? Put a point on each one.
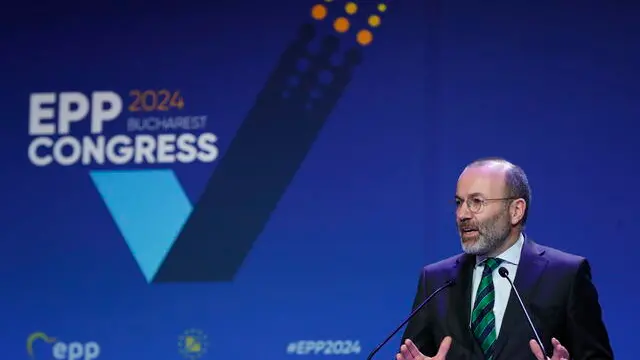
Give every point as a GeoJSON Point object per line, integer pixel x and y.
{"type": "Point", "coordinates": [413, 313]}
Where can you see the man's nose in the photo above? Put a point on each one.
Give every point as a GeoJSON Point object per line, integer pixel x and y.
{"type": "Point", "coordinates": [463, 213]}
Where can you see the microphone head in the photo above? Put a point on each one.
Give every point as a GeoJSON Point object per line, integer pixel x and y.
{"type": "Point", "coordinates": [503, 272]}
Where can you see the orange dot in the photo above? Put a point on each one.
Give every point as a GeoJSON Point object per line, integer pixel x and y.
{"type": "Point", "coordinates": [341, 25]}
{"type": "Point", "coordinates": [318, 12]}
{"type": "Point", "coordinates": [364, 37]}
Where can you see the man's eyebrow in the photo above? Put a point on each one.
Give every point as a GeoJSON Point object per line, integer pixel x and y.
{"type": "Point", "coordinates": [472, 194]}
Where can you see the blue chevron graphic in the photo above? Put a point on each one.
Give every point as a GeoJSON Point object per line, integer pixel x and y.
{"type": "Point", "coordinates": [149, 208]}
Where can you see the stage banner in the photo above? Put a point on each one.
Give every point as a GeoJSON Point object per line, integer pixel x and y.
{"type": "Point", "coordinates": [212, 181]}
{"type": "Point", "coordinates": [251, 180]}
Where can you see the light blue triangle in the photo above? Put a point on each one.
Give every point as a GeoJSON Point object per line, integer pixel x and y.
{"type": "Point", "coordinates": [149, 207]}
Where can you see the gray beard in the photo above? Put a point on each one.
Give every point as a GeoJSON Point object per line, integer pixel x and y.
{"type": "Point", "coordinates": [493, 233]}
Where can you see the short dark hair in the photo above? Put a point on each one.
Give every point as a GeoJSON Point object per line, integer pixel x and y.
{"type": "Point", "coordinates": [516, 181]}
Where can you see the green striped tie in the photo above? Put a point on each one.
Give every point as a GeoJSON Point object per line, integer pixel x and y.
{"type": "Point", "coordinates": [483, 321]}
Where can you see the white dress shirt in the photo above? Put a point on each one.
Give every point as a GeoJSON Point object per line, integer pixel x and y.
{"type": "Point", "coordinates": [511, 258]}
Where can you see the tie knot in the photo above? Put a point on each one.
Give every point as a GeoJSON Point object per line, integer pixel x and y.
{"type": "Point", "coordinates": [492, 263]}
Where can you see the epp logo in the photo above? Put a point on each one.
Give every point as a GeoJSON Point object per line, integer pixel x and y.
{"type": "Point", "coordinates": [65, 351]}
{"type": "Point", "coordinates": [72, 107]}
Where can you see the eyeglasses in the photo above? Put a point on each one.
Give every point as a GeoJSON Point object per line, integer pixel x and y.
{"type": "Point", "coordinates": [475, 204]}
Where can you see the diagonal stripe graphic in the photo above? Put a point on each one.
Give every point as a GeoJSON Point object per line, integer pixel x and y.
{"type": "Point", "coordinates": [149, 207]}
{"type": "Point", "coordinates": [174, 241]}
{"type": "Point", "coordinates": [260, 163]}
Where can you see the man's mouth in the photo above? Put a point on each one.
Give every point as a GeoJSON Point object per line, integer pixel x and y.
{"type": "Point", "coordinates": [468, 230]}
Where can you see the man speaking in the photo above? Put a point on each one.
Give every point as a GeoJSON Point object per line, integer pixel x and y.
{"type": "Point", "coordinates": [509, 293]}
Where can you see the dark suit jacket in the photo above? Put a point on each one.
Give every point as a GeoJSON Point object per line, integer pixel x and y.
{"type": "Point", "coordinates": [556, 288]}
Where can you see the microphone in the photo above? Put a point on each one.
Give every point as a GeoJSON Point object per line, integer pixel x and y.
{"type": "Point", "coordinates": [505, 274]}
{"type": "Point", "coordinates": [413, 313]}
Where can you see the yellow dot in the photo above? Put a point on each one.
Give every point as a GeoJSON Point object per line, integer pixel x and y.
{"type": "Point", "coordinates": [364, 37]}
{"type": "Point", "coordinates": [319, 12]}
{"type": "Point", "coordinates": [382, 7]}
{"type": "Point", "coordinates": [351, 8]}
{"type": "Point", "coordinates": [374, 20]}
{"type": "Point", "coordinates": [341, 24]}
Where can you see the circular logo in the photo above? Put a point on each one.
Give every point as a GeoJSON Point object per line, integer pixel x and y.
{"type": "Point", "coordinates": [193, 344]}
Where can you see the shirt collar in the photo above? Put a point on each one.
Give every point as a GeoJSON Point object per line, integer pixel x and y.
{"type": "Point", "coordinates": [511, 255]}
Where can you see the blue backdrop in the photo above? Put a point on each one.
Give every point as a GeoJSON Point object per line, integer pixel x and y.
{"type": "Point", "coordinates": [265, 180]}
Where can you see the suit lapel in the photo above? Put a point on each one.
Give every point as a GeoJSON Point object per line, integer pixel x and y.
{"type": "Point", "coordinates": [460, 302]}
{"type": "Point", "coordinates": [531, 266]}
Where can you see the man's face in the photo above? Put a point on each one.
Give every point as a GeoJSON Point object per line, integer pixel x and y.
{"type": "Point", "coordinates": [486, 230]}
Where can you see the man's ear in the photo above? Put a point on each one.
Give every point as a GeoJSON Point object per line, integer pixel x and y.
{"type": "Point", "coordinates": [516, 210]}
